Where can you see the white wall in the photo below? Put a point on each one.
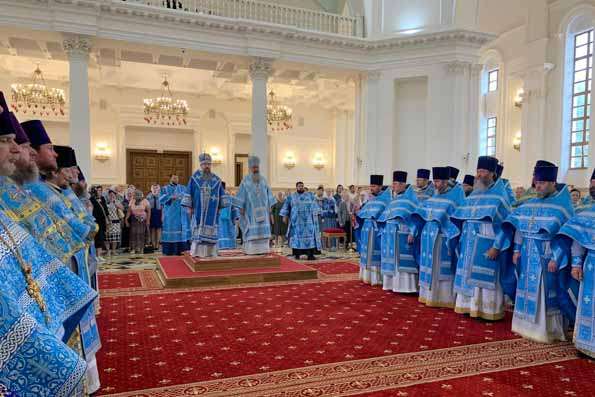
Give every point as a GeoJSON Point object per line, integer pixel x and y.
{"type": "Point", "coordinates": [410, 125]}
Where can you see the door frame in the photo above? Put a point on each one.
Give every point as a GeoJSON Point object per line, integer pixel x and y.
{"type": "Point", "coordinates": [149, 151]}
{"type": "Point", "coordinates": [237, 179]}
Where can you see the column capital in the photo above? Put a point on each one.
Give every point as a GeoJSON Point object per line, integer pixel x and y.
{"type": "Point", "coordinates": [260, 68]}
{"type": "Point", "coordinates": [476, 69]}
{"type": "Point", "coordinates": [458, 67]}
{"type": "Point", "coordinates": [77, 46]}
{"type": "Point", "coordinates": [373, 75]}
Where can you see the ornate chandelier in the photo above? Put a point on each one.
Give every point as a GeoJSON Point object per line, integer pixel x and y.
{"type": "Point", "coordinates": [165, 109]}
{"type": "Point", "coordinates": [37, 98]}
{"type": "Point", "coordinates": [279, 116]}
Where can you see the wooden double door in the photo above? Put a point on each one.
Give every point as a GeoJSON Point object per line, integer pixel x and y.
{"type": "Point", "coordinates": [146, 167]}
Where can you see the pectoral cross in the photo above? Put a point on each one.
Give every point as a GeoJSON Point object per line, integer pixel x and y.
{"type": "Point", "coordinates": [430, 214]}
{"type": "Point", "coordinates": [532, 220]}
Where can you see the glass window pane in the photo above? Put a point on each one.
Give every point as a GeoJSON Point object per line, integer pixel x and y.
{"type": "Point", "coordinates": [491, 122]}
{"type": "Point", "coordinates": [578, 112]}
{"type": "Point", "coordinates": [585, 150]}
{"type": "Point", "coordinates": [577, 137]}
{"type": "Point", "coordinates": [579, 87]}
{"type": "Point", "coordinates": [577, 125]}
{"type": "Point", "coordinates": [580, 76]}
{"type": "Point", "coordinates": [575, 162]}
{"type": "Point", "coordinates": [581, 51]}
{"type": "Point", "coordinates": [576, 150]}
{"type": "Point", "coordinates": [578, 100]}
{"type": "Point", "coordinates": [491, 141]}
{"type": "Point", "coordinates": [582, 38]}
{"type": "Point", "coordinates": [586, 161]}
{"type": "Point", "coordinates": [589, 86]}
{"type": "Point", "coordinates": [580, 64]}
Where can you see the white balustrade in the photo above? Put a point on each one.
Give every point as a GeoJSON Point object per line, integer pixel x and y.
{"type": "Point", "coordinates": [264, 11]}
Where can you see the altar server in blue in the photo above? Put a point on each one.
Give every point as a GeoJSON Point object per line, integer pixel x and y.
{"type": "Point", "coordinates": [205, 198]}
{"type": "Point", "coordinates": [370, 232]}
{"type": "Point", "coordinates": [300, 212]}
{"type": "Point", "coordinates": [255, 200]}
{"type": "Point", "coordinates": [228, 217]}
{"type": "Point", "coordinates": [531, 228]}
{"type": "Point", "coordinates": [438, 240]}
{"type": "Point", "coordinates": [578, 237]}
{"type": "Point", "coordinates": [478, 283]}
{"type": "Point", "coordinates": [424, 188]}
{"type": "Point", "coordinates": [397, 260]}
{"type": "Point", "coordinates": [589, 199]}
{"type": "Point", "coordinates": [175, 234]}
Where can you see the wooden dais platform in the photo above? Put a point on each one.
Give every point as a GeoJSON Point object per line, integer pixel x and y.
{"type": "Point", "coordinates": [231, 260]}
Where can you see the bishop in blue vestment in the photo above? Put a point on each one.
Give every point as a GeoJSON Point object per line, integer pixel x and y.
{"type": "Point", "coordinates": [478, 279]}
{"type": "Point", "coordinates": [300, 212]}
{"type": "Point", "coordinates": [205, 198]}
{"type": "Point", "coordinates": [398, 260]}
{"type": "Point", "coordinates": [175, 232]}
{"type": "Point", "coordinates": [228, 217]}
{"type": "Point", "coordinates": [531, 227]}
{"type": "Point", "coordinates": [370, 231]}
{"type": "Point", "coordinates": [576, 239]}
{"type": "Point", "coordinates": [255, 200]}
{"type": "Point", "coordinates": [438, 240]}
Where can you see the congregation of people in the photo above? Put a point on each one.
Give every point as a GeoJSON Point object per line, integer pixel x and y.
{"type": "Point", "coordinates": [475, 247]}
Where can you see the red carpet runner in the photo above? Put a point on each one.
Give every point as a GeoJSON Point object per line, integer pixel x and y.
{"type": "Point", "coordinates": [156, 339]}
{"type": "Point", "coordinates": [335, 267]}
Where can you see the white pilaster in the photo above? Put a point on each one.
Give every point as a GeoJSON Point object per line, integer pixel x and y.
{"type": "Point", "coordinates": [533, 147]}
{"type": "Point", "coordinates": [260, 71]}
{"type": "Point", "coordinates": [78, 49]}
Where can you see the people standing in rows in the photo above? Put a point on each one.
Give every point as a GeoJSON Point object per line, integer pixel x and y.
{"type": "Point", "coordinates": [424, 188]}
{"type": "Point", "coordinates": [156, 216]}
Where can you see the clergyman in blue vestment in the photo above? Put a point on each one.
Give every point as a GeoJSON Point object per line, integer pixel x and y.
{"type": "Point", "coordinates": [255, 200]}
{"type": "Point", "coordinates": [300, 212]}
{"type": "Point", "coordinates": [175, 233]}
{"type": "Point", "coordinates": [424, 188]}
{"type": "Point", "coordinates": [205, 198]}
{"type": "Point", "coordinates": [531, 228]}
{"type": "Point", "coordinates": [228, 218]}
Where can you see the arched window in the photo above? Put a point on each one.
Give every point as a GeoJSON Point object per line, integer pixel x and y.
{"type": "Point", "coordinates": [578, 32]}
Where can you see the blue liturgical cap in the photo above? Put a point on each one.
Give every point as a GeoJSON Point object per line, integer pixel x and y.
{"type": "Point", "coordinates": [545, 174]}
{"type": "Point", "coordinates": [400, 176]}
{"type": "Point", "coordinates": [440, 173]}
{"type": "Point", "coordinates": [487, 163]}
{"type": "Point", "coordinates": [36, 133]}
{"type": "Point", "coordinates": [423, 173]}
{"type": "Point", "coordinates": [452, 172]}
{"type": "Point", "coordinates": [376, 180]}
{"type": "Point", "coordinates": [469, 180]}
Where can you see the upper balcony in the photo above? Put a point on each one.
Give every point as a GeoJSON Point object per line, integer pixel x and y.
{"type": "Point", "coordinates": [262, 11]}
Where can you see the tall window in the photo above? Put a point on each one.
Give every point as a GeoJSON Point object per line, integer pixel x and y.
{"type": "Point", "coordinates": [581, 100]}
{"type": "Point", "coordinates": [488, 138]}
{"type": "Point", "coordinates": [493, 80]}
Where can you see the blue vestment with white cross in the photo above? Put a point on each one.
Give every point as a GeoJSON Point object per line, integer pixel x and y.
{"type": "Point", "coordinates": [396, 254]}
{"type": "Point", "coordinates": [227, 228]}
{"type": "Point", "coordinates": [176, 220]}
{"type": "Point", "coordinates": [303, 211]}
{"type": "Point", "coordinates": [370, 234]}
{"type": "Point", "coordinates": [537, 221]}
{"type": "Point", "coordinates": [256, 199]}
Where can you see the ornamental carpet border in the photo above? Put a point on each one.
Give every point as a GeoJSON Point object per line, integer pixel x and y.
{"type": "Point", "coordinates": [376, 374]}
{"type": "Point", "coordinates": [148, 281]}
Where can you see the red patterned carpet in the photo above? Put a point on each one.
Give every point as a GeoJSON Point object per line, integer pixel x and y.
{"type": "Point", "coordinates": [154, 339]}
{"type": "Point", "coordinates": [128, 281]}
{"type": "Point", "coordinates": [570, 378]}
{"type": "Point", "coordinates": [335, 267]}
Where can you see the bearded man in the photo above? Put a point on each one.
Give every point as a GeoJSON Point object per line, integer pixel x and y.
{"type": "Point", "coordinates": [478, 280]}
{"type": "Point", "coordinates": [205, 198]}
{"type": "Point", "coordinates": [424, 188]}
{"type": "Point", "coordinates": [255, 200]}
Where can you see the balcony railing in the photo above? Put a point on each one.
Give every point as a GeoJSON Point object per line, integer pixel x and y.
{"type": "Point", "coordinates": [264, 11]}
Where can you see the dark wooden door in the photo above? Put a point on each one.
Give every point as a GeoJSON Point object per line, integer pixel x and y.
{"type": "Point", "coordinates": [145, 167]}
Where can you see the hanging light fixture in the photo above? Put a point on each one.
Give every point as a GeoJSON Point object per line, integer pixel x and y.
{"type": "Point", "coordinates": [279, 116]}
{"type": "Point", "coordinates": [36, 98]}
{"type": "Point", "coordinates": [165, 109]}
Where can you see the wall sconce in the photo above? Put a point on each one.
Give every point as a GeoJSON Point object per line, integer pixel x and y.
{"type": "Point", "coordinates": [216, 156]}
{"type": "Point", "coordinates": [516, 141]}
{"type": "Point", "coordinates": [518, 99]}
{"type": "Point", "coordinates": [289, 160]}
{"type": "Point", "coordinates": [102, 151]}
{"type": "Point", "coordinates": [318, 161]}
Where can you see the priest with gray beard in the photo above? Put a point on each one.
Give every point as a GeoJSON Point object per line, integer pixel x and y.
{"type": "Point", "coordinates": [254, 201]}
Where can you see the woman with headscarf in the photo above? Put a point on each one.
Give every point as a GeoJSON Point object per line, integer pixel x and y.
{"type": "Point", "coordinates": [100, 212]}
{"type": "Point", "coordinates": [156, 216]}
{"type": "Point", "coordinates": [114, 227]}
{"type": "Point", "coordinates": [138, 220]}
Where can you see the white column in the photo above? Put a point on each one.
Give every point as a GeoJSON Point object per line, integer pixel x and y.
{"type": "Point", "coordinates": [533, 120]}
{"type": "Point", "coordinates": [78, 49]}
{"type": "Point", "coordinates": [260, 71]}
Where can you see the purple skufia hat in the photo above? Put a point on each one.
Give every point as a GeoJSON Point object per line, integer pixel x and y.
{"type": "Point", "coordinates": [36, 132]}
{"type": "Point", "coordinates": [20, 135]}
{"type": "Point", "coordinates": [6, 127]}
